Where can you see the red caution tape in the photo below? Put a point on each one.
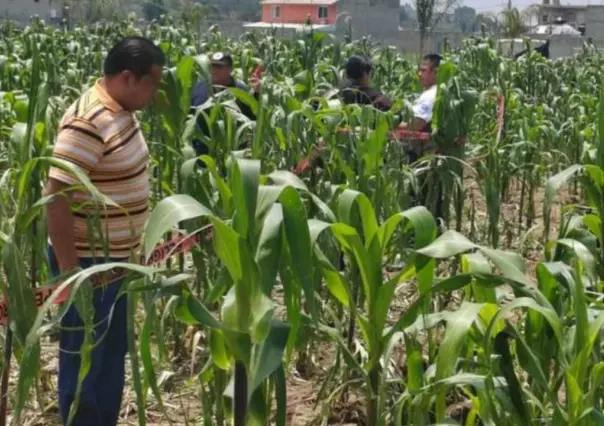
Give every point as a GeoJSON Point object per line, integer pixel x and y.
{"type": "Point", "coordinates": [177, 245]}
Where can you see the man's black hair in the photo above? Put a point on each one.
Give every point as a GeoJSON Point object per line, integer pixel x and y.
{"type": "Point", "coordinates": [134, 54]}
{"type": "Point", "coordinates": [358, 65]}
{"type": "Point", "coordinates": [433, 58]}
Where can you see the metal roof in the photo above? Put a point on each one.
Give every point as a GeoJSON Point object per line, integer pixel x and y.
{"type": "Point", "coordinates": [563, 29]}
{"type": "Point", "coordinates": [269, 25]}
{"type": "Point", "coordinates": [317, 2]}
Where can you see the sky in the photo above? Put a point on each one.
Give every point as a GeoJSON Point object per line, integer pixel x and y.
{"type": "Point", "coordinates": [495, 5]}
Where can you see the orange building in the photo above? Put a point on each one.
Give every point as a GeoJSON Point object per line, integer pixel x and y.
{"type": "Point", "coordinates": [320, 12]}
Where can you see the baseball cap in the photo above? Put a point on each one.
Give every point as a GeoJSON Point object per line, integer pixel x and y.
{"type": "Point", "coordinates": [357, 65]}
{"type": "Point", "coordinates": [222, 59]}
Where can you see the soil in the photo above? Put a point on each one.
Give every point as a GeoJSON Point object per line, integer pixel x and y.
{"type": "Point", "coordinates": [180, 393]}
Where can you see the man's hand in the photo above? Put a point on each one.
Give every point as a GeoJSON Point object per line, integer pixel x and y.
{"type": "Point", "coordinates": [60, 225]}
{"type": "Point", "coordinates": [255, 83]}
{"type": "Point", "coordinates": [255, 78]}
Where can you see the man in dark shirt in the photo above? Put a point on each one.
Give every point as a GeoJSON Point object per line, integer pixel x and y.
{"type": "Point", "coordinates": [358, 89]}
{"type": "Point", "coordinates": [222, 77]}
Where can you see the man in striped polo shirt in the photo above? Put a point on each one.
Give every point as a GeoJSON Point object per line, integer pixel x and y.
{"type": "Point", "coordinates": [100, 134]}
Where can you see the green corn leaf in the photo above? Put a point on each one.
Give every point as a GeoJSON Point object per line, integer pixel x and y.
{"type": "Point", "coordinates": [185, 74]}
{"type": "Point", "coordinates": [529, 361]}
{"type": "Point", "coordinates": [581, 363]}
{"type": "Point", "coordinates": [245, 175]}
{"type": "Point", "coordinates": [506, 365]}
{"type": "Point", "coordinates": [574, 398]}
{"type": "Point", "coordinates": [421, 220]}
{"type": "Point", "coordinates": [337, 286]}
{"type": "Point", "coordinates": [262, 310]}
{"type": "Point", "coordinates": [219, 351]}
{"type": "Point", "coordinates": [280, 396]}
{"type": "Point", "coordinates": [583, 254]}
{"type": "Point", "coordinates": [458, 325]}
{"type": "Point", "coordinates": [191, 311]}
{"type": "Point", "coordinates": [286, 178]}
{"type": "Point", "coordinates": [268, 355]}
{"type": "Point", "coordinates": [346, 203]}
{"type": "Point", "coordinates": [463, 379]}
{"type": "Point", "coordinates": [449, 244]}
{"type": "Point", "coordinates": [246, 98]}
{"type": "Point", "coordinates": [226, 196]}
{"type": "Point", "coordinates": [477, 264]}
{"type": "Point", "coordinates": [299, 241]}
{"type": "Point", "coordinates": [20, 298]}
{"type": "Point", "coordinates": [134, 360]}
{"type": "Point", "coordinates": [147, 361]}
{"type": "Point", "coordinates": [167, 214]}
{"type": "Point", "coordinates": [552, 186]}
{"type": "Point", "coordinates": [600, 146]}
{"type": "Point", "coordinates": [269, 248]}
{"type": "Point", "coordinates": [370, 271]}
{"type": "Point", "coordinates": [596, 381]}
{"type": "Point", "coordinates": [524, 302]}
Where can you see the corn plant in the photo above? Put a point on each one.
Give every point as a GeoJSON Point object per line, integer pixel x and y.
{"type": "Point", "coordinates": [295, 262]}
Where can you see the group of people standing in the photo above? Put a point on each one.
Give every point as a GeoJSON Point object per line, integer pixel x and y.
{"type": "Point", "coordinates": [101, 135]}
{"type": "Point", "coordinates": [359, 90]}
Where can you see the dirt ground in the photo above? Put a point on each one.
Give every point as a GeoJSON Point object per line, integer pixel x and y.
{"type": "Point", "coordinates": [182, 399]}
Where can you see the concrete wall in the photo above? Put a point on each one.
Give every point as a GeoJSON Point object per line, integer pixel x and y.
{"type": "Point", "coordinates": [409, 41]}
{"type": "Point", "coordinates": [23, 10]}
{"type": "Point", "coordinates": [379, 21]}
{"type": "Point", "coordinates": [297, 13]}
{"type": "Point", "coordinates": [594, 23]}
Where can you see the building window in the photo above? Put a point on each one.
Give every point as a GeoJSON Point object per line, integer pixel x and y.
{"type": "Point", "coordinates": [323, 12]}
{"type": "Point", "coordinates": [276, 12]}
{"type": "Point", "coordinates": [544, 18]}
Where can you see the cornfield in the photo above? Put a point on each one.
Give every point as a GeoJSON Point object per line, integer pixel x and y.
{"type": "Point", "coordinates": [327, 297]}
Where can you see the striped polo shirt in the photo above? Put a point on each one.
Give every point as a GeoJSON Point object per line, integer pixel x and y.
{"type": "Point", "coordinates": [105, 141]}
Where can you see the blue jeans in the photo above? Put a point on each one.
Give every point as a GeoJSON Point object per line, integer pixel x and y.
{"type": "Point", "coordinates": [102, 389]}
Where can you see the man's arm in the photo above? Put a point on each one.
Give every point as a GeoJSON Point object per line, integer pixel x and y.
{"type": "Point", "coordinates": [422, 115]}
{"type": "Point", "coordinates": [382, 102]}
{"type": "Point", "coordinates": [61, 225]}
{"type": "Point", "coordinates": [416, 124]}
{"type": "Point", "coordinates": [80, 144]}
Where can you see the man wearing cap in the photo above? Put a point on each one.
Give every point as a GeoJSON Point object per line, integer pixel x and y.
{"type": "Point", "coordinates": [222, 77]}
{"type": "Point", "coordinates": [358, 88]}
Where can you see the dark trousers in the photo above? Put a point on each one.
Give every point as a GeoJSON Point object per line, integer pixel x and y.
{"type": "Point", "coordinates": [102, 389]}
{"type": "Point", "coordinates": [430, 194]}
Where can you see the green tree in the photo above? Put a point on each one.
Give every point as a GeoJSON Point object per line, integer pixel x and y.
{"type": "Point", "coordinates": [512, 22]}
{"type": "Point", "coordinates": [487, 22]}
{"type": "Point", "coordinates": [429, 14]}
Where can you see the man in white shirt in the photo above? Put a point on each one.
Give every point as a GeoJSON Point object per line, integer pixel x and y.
{"type": "Point", "coordinates": [424, 105]}
{"type": "Point", "coordinates": [422, 120]}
